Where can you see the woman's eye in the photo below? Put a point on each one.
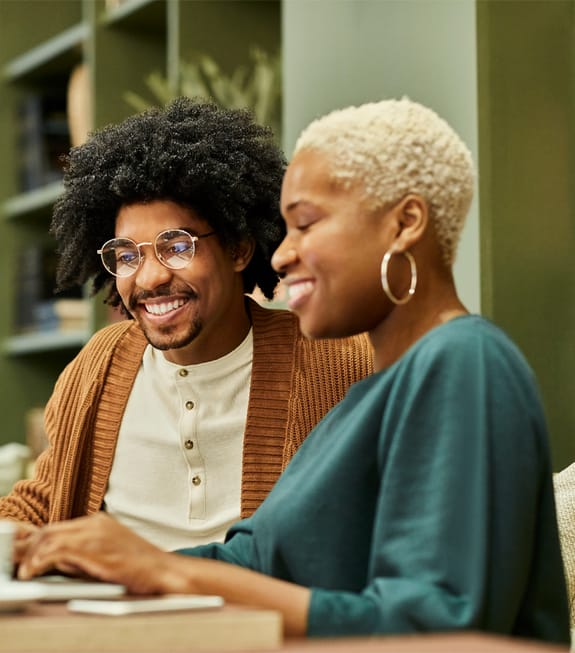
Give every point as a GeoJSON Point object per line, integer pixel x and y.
{"type": "Point", "coordinates": [304, 225]}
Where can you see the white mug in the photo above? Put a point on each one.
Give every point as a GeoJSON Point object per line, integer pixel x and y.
{"type": "Point", "coordinates": [7, 530]}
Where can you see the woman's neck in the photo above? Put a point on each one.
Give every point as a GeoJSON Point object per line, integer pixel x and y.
{"type": "Point", "coordinates": [407, 323]}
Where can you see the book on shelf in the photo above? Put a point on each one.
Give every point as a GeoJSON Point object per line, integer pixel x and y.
{"type": "Point", "coordinates": [72, 313]}
{"type": "Point", "coordinates": [43, 137]}
{"type": "Point", "coordinates": [38, 307]}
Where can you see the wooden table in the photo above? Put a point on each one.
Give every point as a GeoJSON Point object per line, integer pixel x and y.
{"type": "Point", "coordinates": [51, 628]}
{"type": "Point", "coordinates": [437, 643]}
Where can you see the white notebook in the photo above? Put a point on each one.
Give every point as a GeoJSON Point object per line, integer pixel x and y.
{"type": "Point", "coordinates": [59, 588]}
{"type": "Point", "coordinates": [119, 607]}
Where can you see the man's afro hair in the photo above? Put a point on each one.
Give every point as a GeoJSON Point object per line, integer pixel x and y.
{"type": "Point", "coordinates": [216, 161]}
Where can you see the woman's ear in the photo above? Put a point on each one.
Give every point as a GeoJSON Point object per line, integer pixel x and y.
{"type": "Point", "coordinates": [242, 253]}
{"type": "Point", "coordinates": [412, 215]}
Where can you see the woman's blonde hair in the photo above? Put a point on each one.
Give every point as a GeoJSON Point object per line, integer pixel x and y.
{"type": "Point", "coordinates": [396, 147]}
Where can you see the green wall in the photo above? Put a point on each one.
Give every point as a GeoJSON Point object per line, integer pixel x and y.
{"type": "Point", "coordinates": [525, 77]}
{"type": "Point", "coordinates": [501, 72]}
{"type": "Point", "coordinates": [341, 52]}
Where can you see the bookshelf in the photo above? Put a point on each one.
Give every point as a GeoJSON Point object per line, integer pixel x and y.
{"type": "Point", "coordinates": [119, 43]}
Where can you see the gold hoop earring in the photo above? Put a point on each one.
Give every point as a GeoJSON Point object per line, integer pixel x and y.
{"type": "Point", "coordinates": [385, 284]}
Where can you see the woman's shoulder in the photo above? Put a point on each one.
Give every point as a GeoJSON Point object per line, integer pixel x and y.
{"type": "Point", "coordinates": [470, 336]}
{"type": "Point", "coordinates": [473, 351]}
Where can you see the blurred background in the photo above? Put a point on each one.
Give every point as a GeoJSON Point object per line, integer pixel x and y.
{"type": "Point", "coordinates": [502, 73]}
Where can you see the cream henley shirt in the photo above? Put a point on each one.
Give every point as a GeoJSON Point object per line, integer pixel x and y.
{"type": "Point", "coordinates": [176, 474]}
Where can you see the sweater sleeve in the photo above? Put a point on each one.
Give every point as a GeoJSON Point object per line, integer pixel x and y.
{"type": "Point", "coordinates": [67, 420]}
{"type": "Point", "coordinates": [465, 493]}
{"type": "Point", "coordinates": [30, 499]}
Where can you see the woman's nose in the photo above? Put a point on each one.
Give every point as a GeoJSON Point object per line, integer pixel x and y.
{"type": "Point", "coordinates": [283, 257]}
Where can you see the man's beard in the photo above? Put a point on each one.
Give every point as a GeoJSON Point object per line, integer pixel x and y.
{"type": "Point", "coordinates": [161, 338]}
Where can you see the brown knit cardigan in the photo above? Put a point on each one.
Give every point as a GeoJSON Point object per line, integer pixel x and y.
{"type": "Point", "coordinates": [294, 382]}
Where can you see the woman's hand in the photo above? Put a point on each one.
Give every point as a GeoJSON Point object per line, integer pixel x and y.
{"type": "Point", "coordinates": [99, 547]}
{"type": "Point", "coordinates": [22, 535]}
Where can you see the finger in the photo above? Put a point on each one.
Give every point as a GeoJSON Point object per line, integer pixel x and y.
{"type": "Point", "coordinates": [19, 550]}
{"type": "Point", "coordinates": [69, 563]}
{"type": "Point", "coordinates": [24, 530]}
{"type": "Point", "coordinates": [42, 551]}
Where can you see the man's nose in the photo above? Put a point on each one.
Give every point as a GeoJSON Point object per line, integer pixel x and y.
{"type": "Point", "coordinates": [151, 273]}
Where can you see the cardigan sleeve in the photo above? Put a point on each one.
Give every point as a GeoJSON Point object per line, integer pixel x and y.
{"type": "Point", "coordinates": [30, 499]}
{"type": "Point", "coordinates": [66, 418]}
{"type": "Point", "coordinates": [465, 493]}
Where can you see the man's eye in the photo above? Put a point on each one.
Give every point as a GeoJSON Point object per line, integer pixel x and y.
{"type": "Point", "coordinates": [126, 258]}
{"type": "Point", "coordinates": [178, 247]}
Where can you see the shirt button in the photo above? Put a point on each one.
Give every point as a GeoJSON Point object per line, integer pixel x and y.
{"type": "Point", "coordinates": [183, 372]}
{"type": "Point", "coordinates": [189, 444]}
{"type": "Point", "coordinates": [189, 405]}
{"type": "Point", "coordinates": [196, 480]}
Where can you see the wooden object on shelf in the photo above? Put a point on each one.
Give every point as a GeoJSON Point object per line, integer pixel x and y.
{"type": "Point", "coordinates": [79, 104]}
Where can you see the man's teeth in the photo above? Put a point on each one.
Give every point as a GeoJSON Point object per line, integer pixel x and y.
{"type": "Point", "coordinates": [161, 309]}
{"type": "Point", "coordinates": [298, 289]}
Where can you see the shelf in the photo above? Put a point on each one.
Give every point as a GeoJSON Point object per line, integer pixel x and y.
{"type": "Point", "coordinates": [120, 42]}
{"type": "Point", "coordinates": [145, 15]}
{"type": "Point", "coordinates": [32, 201]}
{"type": "Point", "coordinates": [32, 343]}
{"type": "Point", "coordinates": [54, 54]}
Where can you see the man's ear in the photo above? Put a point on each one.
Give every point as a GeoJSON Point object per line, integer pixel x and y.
{"type": "Point", "coordinates": [242, 253]}
{"type": "Point", "coordinates": [412, 215]}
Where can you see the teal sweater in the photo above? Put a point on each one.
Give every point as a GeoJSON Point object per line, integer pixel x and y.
{"type": "Point", "coordinates": [422, 502]}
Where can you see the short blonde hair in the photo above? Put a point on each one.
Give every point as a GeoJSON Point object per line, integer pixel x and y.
{"type": "Point", "coordinates": [396, 147]}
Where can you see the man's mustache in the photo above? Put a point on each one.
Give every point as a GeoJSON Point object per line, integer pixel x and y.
{"type": "Point", "coordinates": [146, 295]}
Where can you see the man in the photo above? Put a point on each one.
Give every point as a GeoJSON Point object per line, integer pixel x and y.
{"type": "Point", "coordinates": [179, 420]}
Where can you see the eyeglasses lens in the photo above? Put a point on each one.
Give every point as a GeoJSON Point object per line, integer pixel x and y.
{"type": "Point", "coordinates": [175, 248]}
{"type": "Point", "coordinates": [121, 257]}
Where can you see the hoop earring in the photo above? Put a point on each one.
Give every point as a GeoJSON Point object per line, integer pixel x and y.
{"type": "Point", "coordinates": [385, 284]}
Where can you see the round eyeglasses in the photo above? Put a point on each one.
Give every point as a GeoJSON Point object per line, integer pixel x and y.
{"type": "Point", "coordinates": [174, 248]}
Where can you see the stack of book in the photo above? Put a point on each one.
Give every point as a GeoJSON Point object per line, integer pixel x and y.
{"type": "Point", "coordinates": [38, 308]}
{"type": "Point", "coordinates": [43, 137]}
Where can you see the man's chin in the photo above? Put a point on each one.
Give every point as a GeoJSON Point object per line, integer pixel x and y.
{"type": "Point", "coordinates": [167, 341]}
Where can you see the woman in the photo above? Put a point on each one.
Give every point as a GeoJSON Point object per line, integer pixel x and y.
{"type": "Point", "coordinates": [423, 501]}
